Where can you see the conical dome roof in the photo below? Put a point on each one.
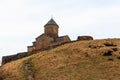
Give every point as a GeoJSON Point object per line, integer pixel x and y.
{"type": "Point", "coordinates": [51, 21]}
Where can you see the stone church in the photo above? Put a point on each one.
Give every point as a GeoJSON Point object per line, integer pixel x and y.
{"type": "Point", "coordinates": [49, 38]}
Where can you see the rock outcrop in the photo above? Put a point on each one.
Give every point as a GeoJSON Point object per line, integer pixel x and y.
{"type": "Point", "coordinates": [84, 38]}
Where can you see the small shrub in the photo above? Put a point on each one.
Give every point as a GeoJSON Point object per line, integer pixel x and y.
{"type": "Point", "coordinates": [118, 57]}
{"type": "Point", "coordinates": [110, 59]}
{"type": "Point", "coordinates": [92, 46]}
{"type": "Point", "coordinates": [115, 49]}
{"type": "Point", "coordinates": [86, 54]}
{"type": "Point", "coordinates": [109, 44]}
{"type": "Point", "coordinates": [108, 53]}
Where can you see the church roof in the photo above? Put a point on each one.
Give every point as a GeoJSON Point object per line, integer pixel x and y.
{"type": "Point", "coordinates": [51, 21]}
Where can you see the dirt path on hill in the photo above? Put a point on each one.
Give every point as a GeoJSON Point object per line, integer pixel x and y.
{"type": "Point", "coordinates": [29, 70]}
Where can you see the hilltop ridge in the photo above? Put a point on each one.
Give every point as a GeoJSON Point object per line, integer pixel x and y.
{"type": "Point", "coordinates": [81, 60]}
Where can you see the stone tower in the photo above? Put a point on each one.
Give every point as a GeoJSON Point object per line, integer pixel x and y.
{"type": "Point", "coordinates": [51, 28]}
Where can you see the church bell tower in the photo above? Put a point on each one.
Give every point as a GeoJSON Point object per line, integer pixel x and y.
{"type": "Point", "coordinates": [51, 28]}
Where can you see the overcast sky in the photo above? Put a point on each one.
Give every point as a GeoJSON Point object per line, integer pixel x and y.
{"type": "Point", "coordinates": [21, 21]}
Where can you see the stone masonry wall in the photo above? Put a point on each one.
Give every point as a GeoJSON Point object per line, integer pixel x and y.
{"type": "Point", "coordinates": [6, 59]}
{"type": "Point", "coordinates": [51, 30]}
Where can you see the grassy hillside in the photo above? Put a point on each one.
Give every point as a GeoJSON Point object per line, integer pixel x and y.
{"type": "Point", "coordinates": [82, 60]}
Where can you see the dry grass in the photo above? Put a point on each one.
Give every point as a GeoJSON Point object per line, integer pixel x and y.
{"type": "Point", "coordinates": [11, 71]}
{"type": "Point", "coordinates": [83, 60]}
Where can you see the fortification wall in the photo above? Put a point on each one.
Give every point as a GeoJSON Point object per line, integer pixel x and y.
{"type": "Point", "coordinates": [6, 59]}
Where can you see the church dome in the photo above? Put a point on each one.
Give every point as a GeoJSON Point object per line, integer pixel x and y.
{"type": "Point", "coordinates": [51, 22]}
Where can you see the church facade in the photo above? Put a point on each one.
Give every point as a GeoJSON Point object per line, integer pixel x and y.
{"type": "Point", "coordinates": [49, 38]}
